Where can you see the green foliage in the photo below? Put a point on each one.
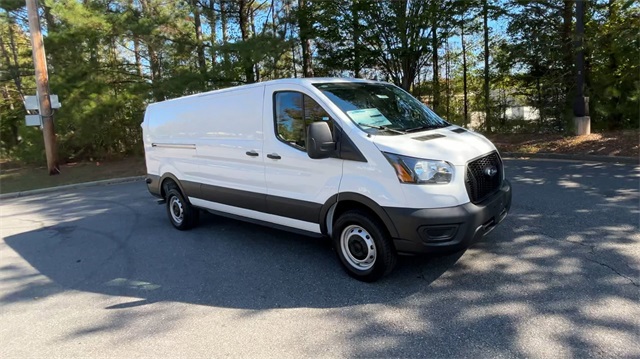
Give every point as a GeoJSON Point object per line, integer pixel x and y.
{"type": "Point", "coordinates": [536, 53]}
{"type": "Point", "coordinates": [615, 81]}
{"type": "Point", "coordinates": [15, 64]}
{"type": "Point", "coordinates": [255, 50]}
{"type": "Point", "coordinates": [343, 32]}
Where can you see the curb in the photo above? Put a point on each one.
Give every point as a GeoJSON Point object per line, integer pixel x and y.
{"type": "Point", "coordinates": [557, 156]}
{"type": "Point", "coordinates": [70, 186]}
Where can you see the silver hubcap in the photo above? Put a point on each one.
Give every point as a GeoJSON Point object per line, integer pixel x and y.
{"type": "Point", "coordinates": [176, 210]}
{"type": "Point", "coordinates": [358, 247]}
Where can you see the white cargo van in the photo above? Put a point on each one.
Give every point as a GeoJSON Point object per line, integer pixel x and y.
{"type": "Point", "coordinates": [362, 162]}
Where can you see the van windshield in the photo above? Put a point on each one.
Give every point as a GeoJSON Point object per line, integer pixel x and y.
{"type": "Point", "coordinates": [381, 108]}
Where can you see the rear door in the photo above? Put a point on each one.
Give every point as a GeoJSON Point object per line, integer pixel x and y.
{"type": "Point", "coordinates": [297, 186]}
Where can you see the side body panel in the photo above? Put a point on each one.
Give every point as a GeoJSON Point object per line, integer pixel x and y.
{"type": "Point", "coordinates": [229, 148]}
{"type": "Point", "coordinates": [212, 140]}
{"type": "Point", "coordinates": [297, 186]}
{"type": "Point", "coordinates": [167, 152]}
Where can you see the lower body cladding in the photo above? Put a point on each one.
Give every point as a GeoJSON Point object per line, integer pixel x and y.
{"type": "Point", "coordinates": [413, 231]}
{"type": "Point", "coordinates": [451, 229]}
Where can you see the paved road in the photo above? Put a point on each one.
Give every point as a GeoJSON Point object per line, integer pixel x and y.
{"type": "Point", "coordinates": [100, 272]}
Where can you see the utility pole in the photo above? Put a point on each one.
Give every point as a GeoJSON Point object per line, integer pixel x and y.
{"type": "Point", "coordinates": [42, 84]}
{"type": "Point", "coordinates": [581, 119]}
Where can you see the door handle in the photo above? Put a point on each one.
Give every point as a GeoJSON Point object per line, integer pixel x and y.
{"type": "Point", "coordinates": [252, 153]}
{"type": "Point", "coordinates": [274, 156]}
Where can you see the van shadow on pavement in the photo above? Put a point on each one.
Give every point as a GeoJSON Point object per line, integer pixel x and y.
{"type": "Point", "coordinates": [124, 246]}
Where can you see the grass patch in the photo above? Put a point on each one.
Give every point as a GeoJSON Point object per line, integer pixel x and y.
{"type": "Point", "coordinates": [17, 179]}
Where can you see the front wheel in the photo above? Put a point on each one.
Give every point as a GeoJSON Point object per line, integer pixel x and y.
{"type": "Point", "coordinates": [363, 246]}
{"type": "Point", "coordinates": [181, 213]}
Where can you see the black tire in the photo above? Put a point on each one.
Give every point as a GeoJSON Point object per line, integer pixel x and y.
{"type": "Point", "coordinates": [361, 231]}
{"type": "Point", "coordinates": [181, 213]}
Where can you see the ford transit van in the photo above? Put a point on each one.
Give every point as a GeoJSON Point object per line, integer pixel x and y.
{"type": "Point", "coordinates": [361, 162]}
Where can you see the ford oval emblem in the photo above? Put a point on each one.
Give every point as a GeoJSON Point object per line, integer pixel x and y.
{"type": "Point", "coordinates": [490, 171]}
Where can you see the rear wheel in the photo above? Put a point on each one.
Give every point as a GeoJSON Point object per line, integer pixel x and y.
{"type": "Point", "coordinates": [181, 213]}
{"type": "Point", "coordinates": [363, 246]}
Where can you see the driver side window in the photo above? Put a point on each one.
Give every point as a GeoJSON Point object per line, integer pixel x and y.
{"type": "Point", "coordinates": [294, 112]}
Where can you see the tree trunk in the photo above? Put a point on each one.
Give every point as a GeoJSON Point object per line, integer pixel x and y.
{"type": "Point", "coordinates": [355, 18]}
{"type": "Point", "coordinates": [464, 77]}
{"type": "Point", "coordinates": [154, 59]}
{"type": "Point", "coordinates": [567, 35]}
{"type": "Point", "coordinates": [541, 113]}
{"type": "Point", "coordinates": [212, 19]}
{"type": "Point", "coordinates": [113, 52]}
{"type": "Point", "coordinates": [287, 9]}
{"type": "Point", "coordinates": [436, 70]}
{"type": "Point", "coordinates": [408, 71]}
{"type": "Point", "coordinates": [49, 20]}
{"type": "Point", "coordinates": [274, 17]}
{"type": "Point", "coordinates": [136, 54]}
{"type": "Point", "coordinates": [567, 42]}
{"type": "Point", "coordinates": [503, 107]}
{"type": "Point", "coordinates": [487, 94]}
{"type": "Point", "coordinates": [202, 62]}
{"type": "Point", "coordinates": [587, 63]}
{"type": "Point", "coordinates": [136, 47]}
{"type": "Point", "coordinates": [256, 66]}
{"type": "Point", "coordinates": [274, 25]}
{"type": "Point", "coordinates": [213, 25]}
{"type": "Point", "coordinates": [48, 17]}
{"type": "Point", "coordinates": [223, 25]}
{"type": "Point", "coordinates": [616, 118]}
{"type": "Point", "coordinates": [305, 41]}
{"type": "Point", "coordinates": [243, 20]}
{"type": "Point", "coordinates": [408, 75]}
{"type": "Point", "coordinates": [156, 76]}
{"type": "Point", "coordinates": [447, 67]}
{"type": "Point", "coordinates": [293, 61]}
{"type": "Point", "coordinates": [307, 66]}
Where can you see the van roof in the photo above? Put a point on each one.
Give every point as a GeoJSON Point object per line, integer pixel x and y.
{"type": "Point", "coordinates": [297, 81]}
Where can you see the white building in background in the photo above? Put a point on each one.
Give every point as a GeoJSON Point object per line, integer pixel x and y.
{"type": "Point", "coordinates": [527, 113]}
{"type": "Point", "coordinates": [511, 113]}
{"type": "Point", "coordinates": [512, 108]}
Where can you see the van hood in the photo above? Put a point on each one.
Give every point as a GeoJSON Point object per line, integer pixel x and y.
{"type": "Point", "coordinates": [452, 144]}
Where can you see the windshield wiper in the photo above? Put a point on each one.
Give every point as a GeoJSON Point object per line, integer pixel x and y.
{"type": "Point", "coordinates": [420, 128]}
{"type": "Point", "coordinates": [382, 128]}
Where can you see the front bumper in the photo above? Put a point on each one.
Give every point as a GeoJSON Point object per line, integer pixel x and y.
{"type": "Point", "coordinates": [451, 229]}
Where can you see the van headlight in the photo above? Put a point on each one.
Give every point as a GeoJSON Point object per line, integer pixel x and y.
{"type": "Point", "coordinates": [420, 171]}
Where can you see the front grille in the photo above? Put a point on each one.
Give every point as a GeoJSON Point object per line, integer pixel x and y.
{"type": "Point", "coordinates": [480, 184]}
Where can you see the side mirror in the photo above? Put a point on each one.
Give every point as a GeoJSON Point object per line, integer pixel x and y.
{"type": "Point", "coordinates": [319, 140]}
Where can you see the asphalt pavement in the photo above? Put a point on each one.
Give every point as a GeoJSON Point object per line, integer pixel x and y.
{"type": "Point", "coordinates": [100, 272]}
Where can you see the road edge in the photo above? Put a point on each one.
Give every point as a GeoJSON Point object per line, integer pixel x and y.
{"type": "Point", "coordinates": [70, 186]}
{"type": "Point", "coordinates": [568, 157]}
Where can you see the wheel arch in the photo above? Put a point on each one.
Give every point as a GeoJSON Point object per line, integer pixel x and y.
{"type": "Point", "coordinates": [345, 201]}
{"type": "Point", "coordinates": [186, 188]}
